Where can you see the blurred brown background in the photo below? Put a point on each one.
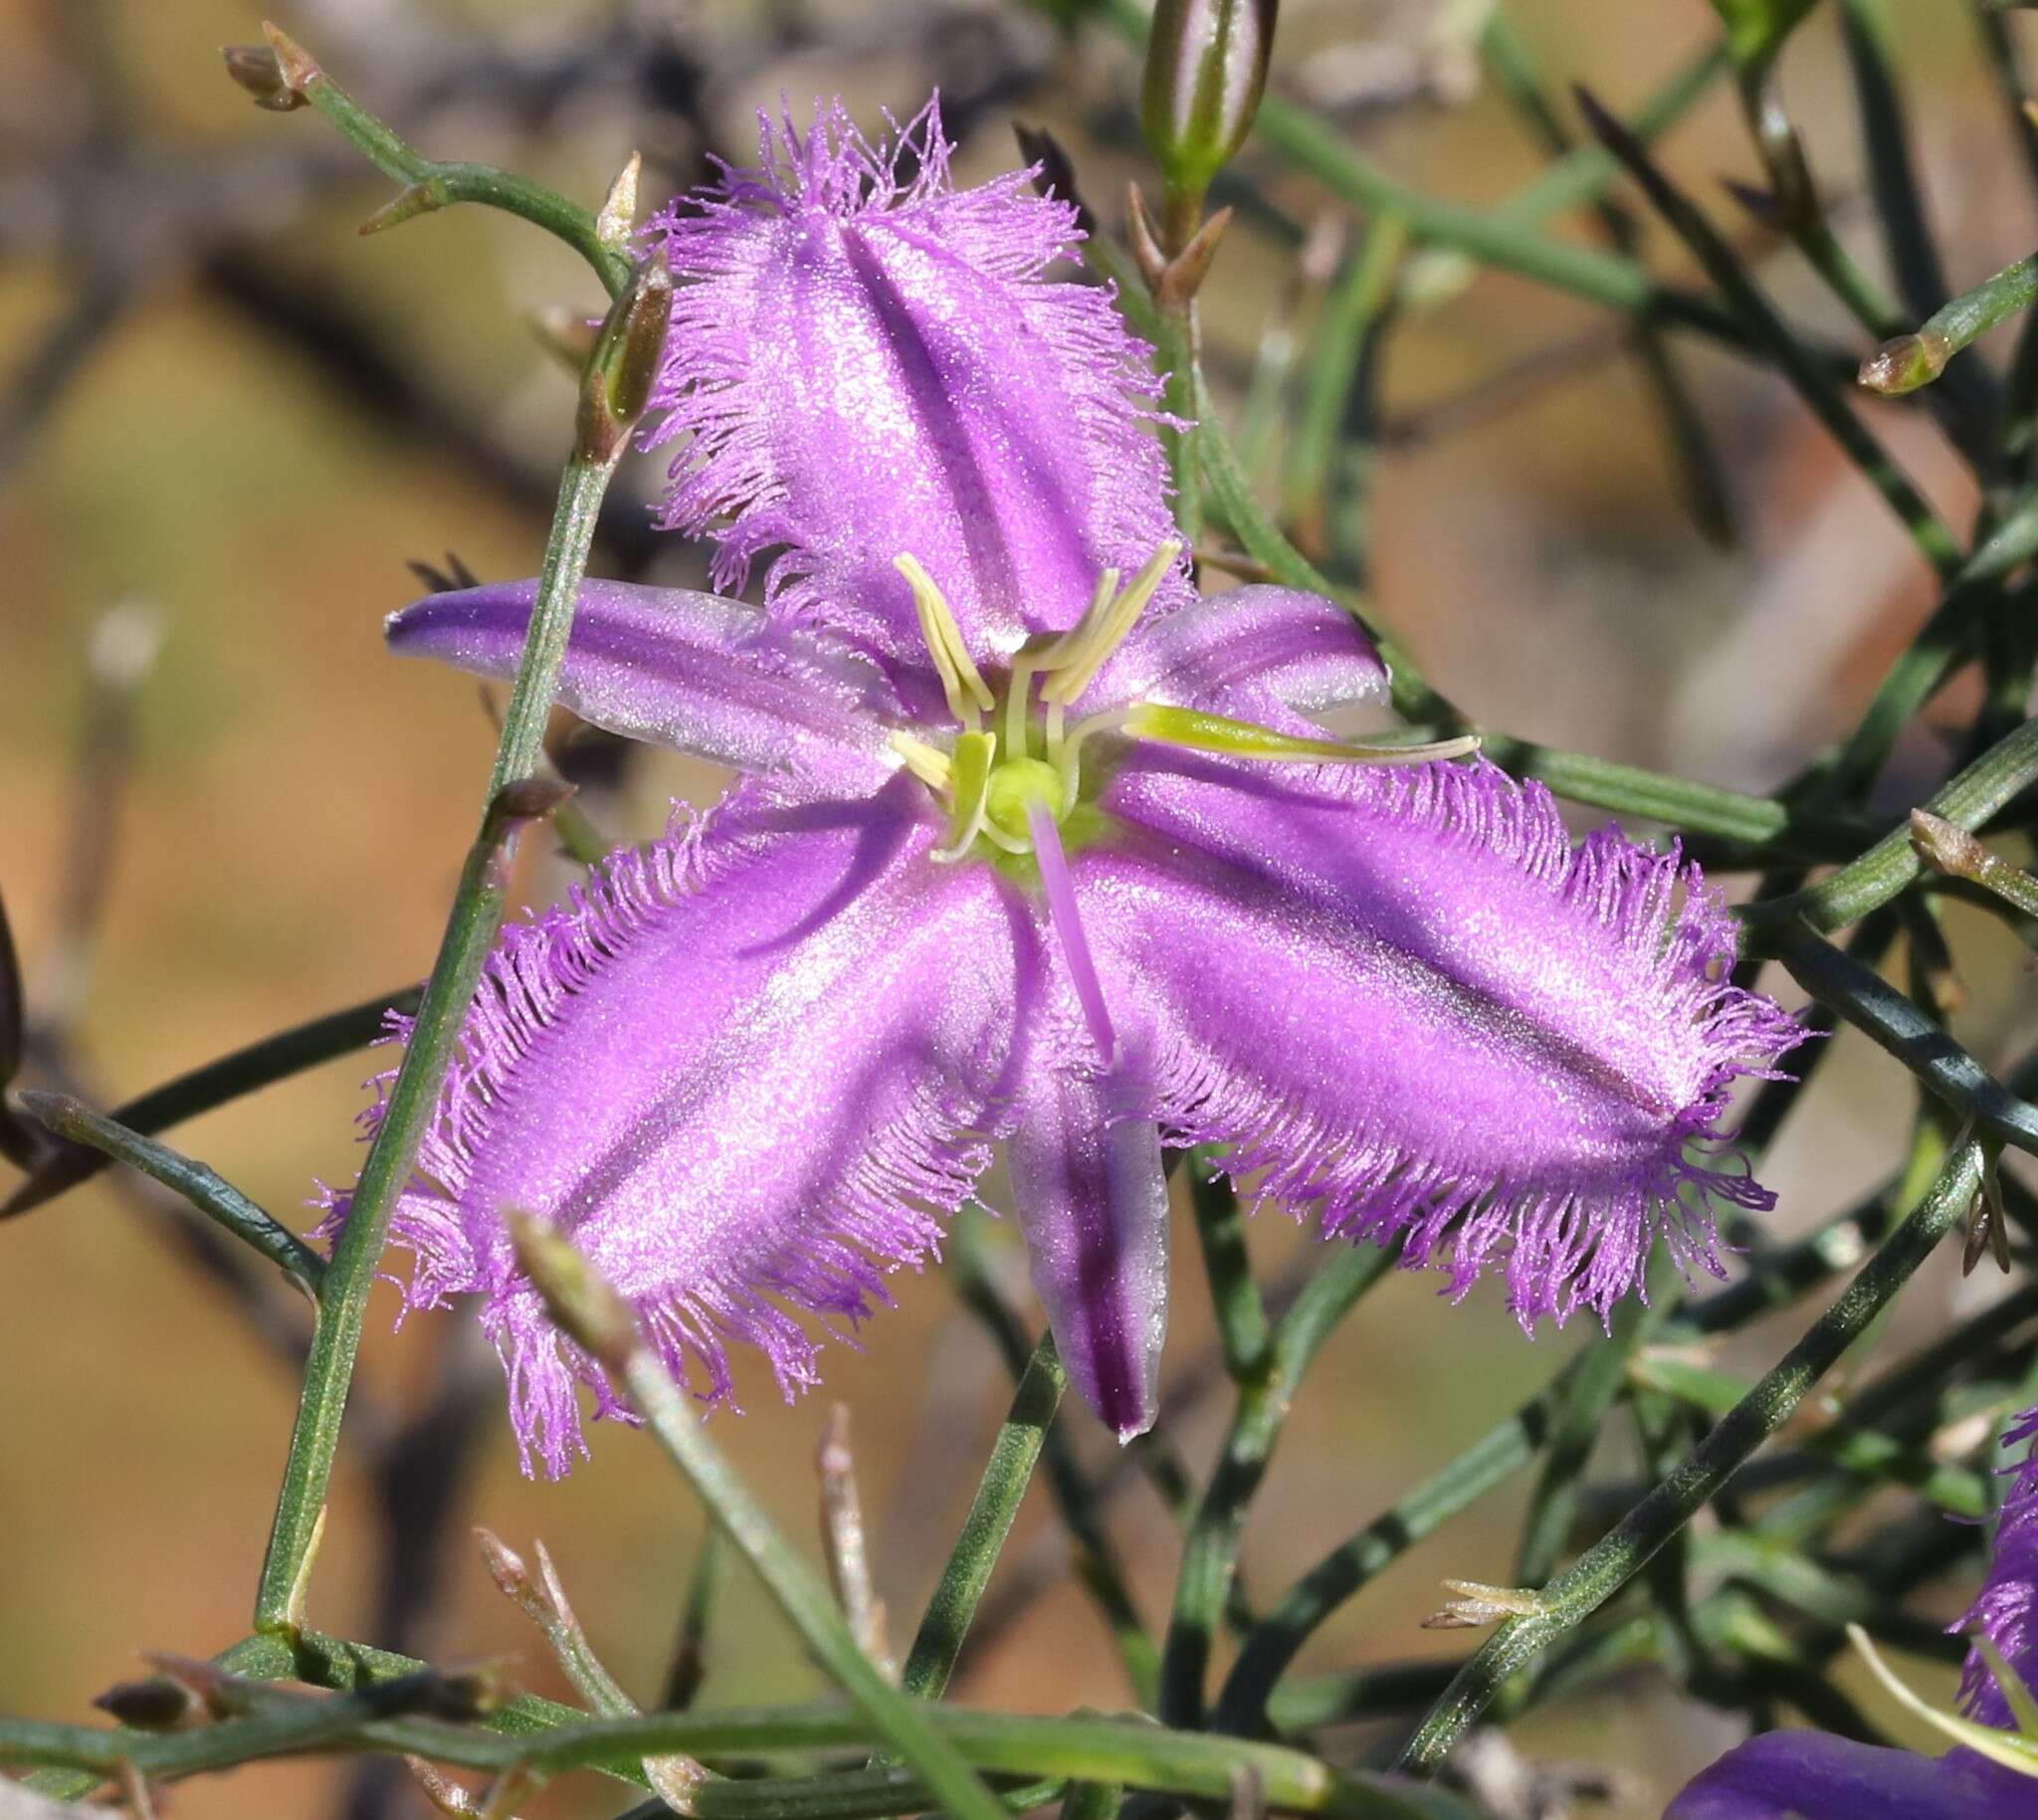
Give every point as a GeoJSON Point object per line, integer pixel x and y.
{"type": "Point", "coordinates": [216, 401]}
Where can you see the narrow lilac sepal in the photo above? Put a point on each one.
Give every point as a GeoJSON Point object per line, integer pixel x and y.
{"type": "Point", "coordinates": [1408, 1001]}
{"type": "Point", "coordinates": [1811, 1775]}
{"type": "Point", "coordinates": [1091, 1205]}
{"type": "Point", "coordinates": [863, 365]}
{"type": "Point", "coordinates": [1275, 656]}
{"type": "Point", "coordinates": [708, 675]}
{"type": "Point", "coordinates": [742, 1072]}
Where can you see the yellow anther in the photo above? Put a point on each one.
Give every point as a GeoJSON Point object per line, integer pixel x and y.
{"type": "Point", "coordinates": [975, 756]}
{"type": "Point", "coordinates": [1101, 633]}
{"type": "Point", "coordinates": [961, 684]}
{"type": "Point", "coordinates": [927, 762]}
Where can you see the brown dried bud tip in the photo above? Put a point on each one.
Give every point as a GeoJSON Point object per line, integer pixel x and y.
{"type": "Point", "coordinates": [300, 69]}
{"type": "Point", "coordinates": [528, 799]}
{"type": "Point", "coordinates": [512, 1578]}
{"type": "Point", "coordinates": [1477, 1604]}
{"type": "Point", "coordinates": [1906, 363]}
{"type": "Point", "coordinates": [154, 1705]}
{"type": "Point", "coordinates": [580, 1301]}
{"type": "Point", "coordinates": [1951, 850]}
{"type": "Point", "coordinates": [463, 1694]}
{"type": "Point", "coordinates": [259, 71]}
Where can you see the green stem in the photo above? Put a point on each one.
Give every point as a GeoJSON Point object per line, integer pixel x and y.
{"type": "Point", "coordinates": [1211, 1551]}
{"type": "Point", "coordinates": [470, 928]}
{"type": "Point", "coordinates": [801, 1594]}
{"type": "Point", "coordinates": [1895, 1025]}
{"type": "Point", "coordinates": [1612, 1562]}
{"type": "Point", "coordinates": [1575, 1420]}
{"type": "Point", "coordinates": [1967, 800]}
{"type": "Point", "coordinates": [1768, 331]}
{"type": "Point", "coordinates": [1242, 1331]}
{"type": "Point", "coordinates": [1006, 1476]}
{"type": "Point", "coordinates": [1133, 1751]}
{"type": "Point", "coordinates": [202, 1189]}
{"type": "Point", "coordinates": [1098, 1565]}
{"type": "Point", "coordinates": [430, 185]}
{"type": "Point", "coordinates": [245, 1071]}
{"type": "Point", "coordinates": [1354, 307]}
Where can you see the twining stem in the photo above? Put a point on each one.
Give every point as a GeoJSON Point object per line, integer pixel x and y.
{"type": "Point", "coordinates": [1006, 1476]}
{"type": "Point", "coordinates": [1134, 1751]}
{"type": "Point", "coordinates": [889, 1716]}
{"type": "Point", "coordinates": [245, 1071]}
{"type": "Point", "coordinates": [470, 928]}
{"type": "Point", "coordinates": [200, 1187]}
{"type": "Point", "coordinates": [1612, 1562]}
{"type": "Point", "coordinates": [1896, 1023]}
{"type": "Point", "coordinates": [430, 184]}
{"type": "Point", "coordinates": [1210, 1549]}
{"type": "Point", "coordinates": [1967, 800]}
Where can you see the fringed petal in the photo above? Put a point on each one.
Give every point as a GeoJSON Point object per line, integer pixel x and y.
{"type": "Point", "coordinates": [746, 1071]}
{"type": "Point", "coordinates": [1810, 1776]}
{"type": "Point", "coordinates": [1276, 656]}
{"type": "Point", "coordinates": [708, 675]}
{"type": "Point", "coordinates": [1409, 1001]}
{"type": "Point", "coordinates": [1091, 1205]}
{"type": "Point", "coordinates": [865, 362]}
{"type": "Point", "coordinates": [2006, 1610]}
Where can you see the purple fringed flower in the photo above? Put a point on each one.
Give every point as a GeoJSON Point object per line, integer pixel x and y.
{"type": "Point", "coordinates": [1027, 854]}
{"type": "Point", "coordinates": [1808, 1775]}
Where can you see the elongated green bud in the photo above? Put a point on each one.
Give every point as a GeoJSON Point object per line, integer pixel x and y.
{"type": "Point", "coordinates": [1206, 65]}
{"type": "Point", "coordinates": [625, 362]}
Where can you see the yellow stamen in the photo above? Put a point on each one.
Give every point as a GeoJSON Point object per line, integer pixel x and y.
{"type": "Point", "coordinates": [961, 684]}
{"type": "Point", "coordinates": [1246, 739]}
{"type": "Point", "coordinates": [975, 756]}
{"type": "Point", "coordinates": [1100, 634]}
{"type": "Point", "coordinates": [927, 762]}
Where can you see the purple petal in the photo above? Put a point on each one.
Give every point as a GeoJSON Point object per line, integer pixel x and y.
{"type": "Point", "coordinates": [708, 676]}
{"type": "Point", "coordinates": [1409, 1000]}
{"type": "Point", "coordinates": [1809, 1775]}
{"type": "Point", "coordinates": [863, 366]}
{"type": "Point", "coordinates": [1092, 1202]}
{"type": "Point", "coordinates": [1270, 655]}
{"type": "Point", "coordinates": [2006, 1610]}
{"type": "Point", "coordinates": [744, 1072]}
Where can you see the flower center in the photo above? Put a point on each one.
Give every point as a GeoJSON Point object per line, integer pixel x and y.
{"type": "Point", "coordinates": [1005, 781]}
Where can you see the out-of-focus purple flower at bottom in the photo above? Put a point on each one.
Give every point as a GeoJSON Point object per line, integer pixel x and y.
{"type": "Point", "coordinates": [1991, 1774]}
{"type": "Point", "coordinates": [1027, 855]}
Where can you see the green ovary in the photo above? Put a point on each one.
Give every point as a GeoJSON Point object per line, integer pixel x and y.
{"type": "Point", "coordinates": [1016, 783]}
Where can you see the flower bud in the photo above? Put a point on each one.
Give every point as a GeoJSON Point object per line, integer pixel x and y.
{"type": "Point", "coordinates": [584, 1304]}
{"type": "Point", "coordinates": [1903, 364]}
{"type": "Point", "coordinates": [153, 1704]}
{"type": "Point", "coordinates": [259, 70]}
{"type": "Point", "coordinates": [1206, 65]}
{"type": "Point", "coordinates": [625, 363]}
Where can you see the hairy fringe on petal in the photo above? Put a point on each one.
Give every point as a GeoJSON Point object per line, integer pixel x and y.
{"type": "Point", "coordinates": [1559, 1250]}
{"type": "Point", "coordinates": [2006, 1609]}
{"type": "Point", "coordinates": [884, 1212]}
{"type": "Point", "coordinates": [725, 477]}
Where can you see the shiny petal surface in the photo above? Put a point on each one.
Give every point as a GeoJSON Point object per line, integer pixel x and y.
{"type": "Point", "coordinates": [1276, 656]}
{"type": "Point", "coordinates": [745, 1072]}
{"type": "Point", "coordinates": [1091, 1203]}
{"type": "Point", "coordinates": [1811, 1775]}
{"type": "Point", "coordinates": [1409, 1001]}
{"type": "Point", "coordinates": [861, 366]}
{"type": "Point", "coordinates": [708, 676]}
{"type": "Point", "coordinates": [2006, 1611]}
